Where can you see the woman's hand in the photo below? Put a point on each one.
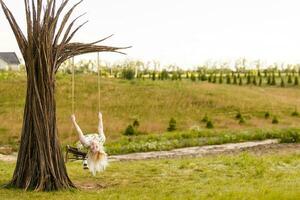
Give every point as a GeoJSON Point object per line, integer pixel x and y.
{"type": "Point", "coordinates": [100, 115]}
{"type": "Point", "coordinates": [73, 118]}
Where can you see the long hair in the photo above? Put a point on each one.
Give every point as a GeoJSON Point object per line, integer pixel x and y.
{"type": "Point", "coordinates": [97, 162]}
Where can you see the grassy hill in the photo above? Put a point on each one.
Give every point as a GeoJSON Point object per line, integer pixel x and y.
{"type": "Point", "coordinates": [153, 103]}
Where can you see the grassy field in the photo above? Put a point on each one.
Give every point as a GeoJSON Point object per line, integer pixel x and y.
{"type": "Point", "coordinates": [248, 175]}
{"type": "Point", "coordinates": [153, 103]}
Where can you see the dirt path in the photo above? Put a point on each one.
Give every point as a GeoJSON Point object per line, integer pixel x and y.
{"type": "Point", "coordinates": [256, 146]}
{"type": "Point", "coordinates": [194, 151]}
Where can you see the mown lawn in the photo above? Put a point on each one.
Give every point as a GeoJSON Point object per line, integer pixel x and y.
{"type": "Point", "coordinates": [238, 176]}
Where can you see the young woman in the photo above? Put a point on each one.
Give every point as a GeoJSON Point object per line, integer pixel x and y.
{"type": "Point", "coordinates": [96, 157]}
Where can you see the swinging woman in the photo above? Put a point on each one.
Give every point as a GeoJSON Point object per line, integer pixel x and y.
{"type": "Point", "coordinates": [96, 157]}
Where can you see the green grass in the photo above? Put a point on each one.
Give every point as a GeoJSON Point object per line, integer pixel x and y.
{"type": "Point", "coordinates": [242, 176]}
{"type": "Point", "coordinates": [168, 141]}
{"type": "Point", "coordinates": [153, 103]}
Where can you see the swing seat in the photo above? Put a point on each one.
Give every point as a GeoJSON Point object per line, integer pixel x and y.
{"type": "Point", "coordinates": [76, 154]}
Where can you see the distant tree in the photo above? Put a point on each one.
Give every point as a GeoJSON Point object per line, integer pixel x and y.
{"type": "Point", "coordinates": [240, 81]}
{"type": "Point", "coordinates": [282, 84]}
{"type": "Point", "coordinates": [254, 81]}
{"type": "Point", "coordinates": [296, 82]}
{"type": "Point", "coordinates": [221, 78]}
{"type": "Point", "coordinates": [273, 80]}
{"type": "Point", "coordinates": [234, 80]}
{"type": "Point", "coordinates": [248, 79]}
{"type": "Point", "coordinates": [153, 76]}
{"type": "Point", "coordinates": [290, 81]}
{"type": "Point", "coordinates": [228, 79]}
{"type": "Point", "coordinates": [193, 77]}
{"type": "Point", "coordinates": [260, 81]}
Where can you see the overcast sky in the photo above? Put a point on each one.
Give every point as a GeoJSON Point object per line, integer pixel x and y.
{"type": "Point", "coordinates": [186, 32]}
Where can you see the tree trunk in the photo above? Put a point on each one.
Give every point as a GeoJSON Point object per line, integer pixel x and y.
{"type": "Point", "coordinates": [40, 165]}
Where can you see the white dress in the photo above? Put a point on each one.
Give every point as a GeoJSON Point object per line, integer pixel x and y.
{"type": "Point", "coordinates": [86, 140]}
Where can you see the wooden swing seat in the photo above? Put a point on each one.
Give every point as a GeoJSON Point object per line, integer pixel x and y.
{"type": "Point", "coordinates": [76, 154]}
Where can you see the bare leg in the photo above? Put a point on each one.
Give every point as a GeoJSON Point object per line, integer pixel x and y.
{"type": "Point", "coordinates": [100, 129]}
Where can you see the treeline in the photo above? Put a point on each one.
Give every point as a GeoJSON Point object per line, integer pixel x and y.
{"type": "Point", "coordinates": [130, 70]}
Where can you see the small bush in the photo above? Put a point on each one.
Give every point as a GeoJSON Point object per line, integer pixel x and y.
{"type": "Point", "coordinates": [130, 130]}
{"type": "Point", "coordinates": [238, 115]}
{"type": "Point", "coordinates": [267, 115]}
{"type": "Point", "coordinates": [295, 113]}
{"type": "Point", "coordinates": [209, 124]}
{"type": "Point", "coordinates": [136, 123]}
{"type": "Point", "coordinates": [275, 120]}
{"type": "Point", "coordinates": [242, 120]}
{"type": "Point", "coordinates": [205, 118]}
{"type": "Point", "coordinates": [172, 125]}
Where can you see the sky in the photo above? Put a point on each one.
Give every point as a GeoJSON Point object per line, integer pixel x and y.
{"type": "Point", "coordinates": [185, 33]}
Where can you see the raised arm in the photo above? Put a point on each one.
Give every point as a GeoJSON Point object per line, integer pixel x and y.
{"type": "Point", "coordinates": [79, 131]}
{"type": "Point", "coordinates": [100, 129]}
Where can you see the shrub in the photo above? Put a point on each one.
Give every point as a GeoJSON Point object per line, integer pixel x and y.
{"type": "Point", "coordinates": [238, 115]}
{"type": "Point", "coordinates": [267, 115]}
{"type": "Point", "coordinates": [295, 113]}
{"type": "Point", "coordinates": [172, 125]}
{"type": "Point", "coordinates": [209, 124]}
{"type": "Point", "coordinates": [136, 123]}
{"type": "Point", "coordinates": [130, 130]}
{"type": "Point", "coordinates": [275, 120]}
{"type": "Point", "coordinates": [205, 118]}
{"type": "Point", "coordinates": [242, 120]}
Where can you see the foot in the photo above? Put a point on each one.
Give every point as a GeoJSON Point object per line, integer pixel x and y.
{"type": "Point", "coordinates": [85, 166]}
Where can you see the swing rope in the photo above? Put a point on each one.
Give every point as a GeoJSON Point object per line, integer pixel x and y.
{"type": "Point", "coordinates": [73, 85]}
{"type": "Point", "coordinates": [99, 76]}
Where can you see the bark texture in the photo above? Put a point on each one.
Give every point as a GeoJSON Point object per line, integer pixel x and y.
{"type": "Point", "coordinates": [40, 164]}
